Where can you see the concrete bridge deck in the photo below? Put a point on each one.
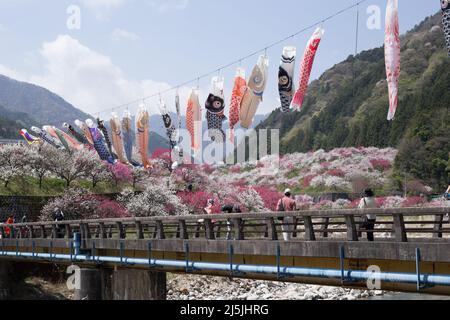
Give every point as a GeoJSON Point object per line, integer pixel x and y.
{"type": "Point", "coordinates": [411, 247]}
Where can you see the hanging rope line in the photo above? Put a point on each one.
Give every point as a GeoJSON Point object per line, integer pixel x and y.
{"type": "Point", "coordinates": [239, 61]}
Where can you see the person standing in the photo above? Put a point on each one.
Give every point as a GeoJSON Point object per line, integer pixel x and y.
{"type": "Point", "coordinates": [287, 204]}
{"type": "Point", "coordinates": [369, 220]}
{"type": "Point", "coordinates": [229, 208]}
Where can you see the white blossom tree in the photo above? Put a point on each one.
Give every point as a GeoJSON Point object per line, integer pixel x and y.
{"type": "Point", "coordinates": [71, 167]}
{"type": "Point", "coordinates": [252, 201]}
{"type": "Point", "coordinates": [14, 162]}
{"type": "Point", "coordinates": [96, 171]}
{"type": "Point", "coordinates": [38, 162]}
{"type": "Point", "coordinates": [156, 200]}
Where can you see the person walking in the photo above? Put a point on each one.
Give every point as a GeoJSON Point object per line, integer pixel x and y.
{"type": "Point", "coordinates": [369, 220]}
{"type": "Point", "coordinates": [447, 194]}
{"type": "Point", "coordinates": [287, 204]}
{"type": "Point", "coordinates": [58, 216]}
{"type": "Point", "coordinates": [10, 221]}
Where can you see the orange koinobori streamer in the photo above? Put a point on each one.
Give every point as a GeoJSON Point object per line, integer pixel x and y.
{"type": "Point", "coordinates": [194, 119]}
{"type": "Point", "coordinates": [240, 85]}
{"type": "Point", "coordinates": [392, 55]}
{"type": "Point", "coordinates": [142, 135]}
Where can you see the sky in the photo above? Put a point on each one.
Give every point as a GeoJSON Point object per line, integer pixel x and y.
{"type": "Point", "coordinates": [122, 50]}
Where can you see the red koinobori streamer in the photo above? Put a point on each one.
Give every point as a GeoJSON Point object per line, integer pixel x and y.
{"type": "Point", "coordinates": [392, 55]}
{"type": "Point", "coordinates": [306, 67]}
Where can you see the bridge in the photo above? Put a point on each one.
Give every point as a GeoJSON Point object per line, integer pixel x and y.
{"type": "Point", "coordinates": [129, 258]}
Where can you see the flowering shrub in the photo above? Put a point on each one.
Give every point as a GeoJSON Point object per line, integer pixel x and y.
{"type": "Point", "coordinates": [235, 169]}
{"type": "Point", "coordinates": [304, 202]}
{"type": "Point", "coordinates": [413, 202]}
{"type": "Point", "coordinates": [196, 201]}
{"type": "Point", "coordinates": [120, 173]}
{"type": "Point", "coordinates": [392, 202]}
{"type": "Point", "coordinates": [341, 204]}
{"type": "Point", "coordinates": [323, 205]}
{"type": "Point", "coordinates": [336, 173]}
{"type": "Point", "coordinates": [156, 200]}
{"type": "Point", "coordinates": [306, 182]}
{"type": "Point", "coordinates": [111, 209]}
{"type": "Point", "coordinates": [77, 204]}
{"type": "Point", "coordinates": [270, 197]}
{"type": "Point", "coordinates": [381, 164]}
{"type": "Point", "coordinates": [251, 200]}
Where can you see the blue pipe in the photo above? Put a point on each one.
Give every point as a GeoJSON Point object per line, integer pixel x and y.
{"type": "Point", "coordinates": [439, 280]}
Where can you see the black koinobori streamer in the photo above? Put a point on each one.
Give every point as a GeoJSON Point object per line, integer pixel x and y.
{"type": "Point", "coordinates": [445, 6]}
{"type": "Point", "coordinates": [286, 78]}
{"type": "Point", "coordinates": [168, 124]}
{"type": "Point", "coordinates": [215, 106]}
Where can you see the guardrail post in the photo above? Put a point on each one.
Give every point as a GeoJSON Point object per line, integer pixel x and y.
{"type": "Point", "coordinates": [309, 229]}
{"type": "Point", "coordinates": [54, 231]}
{"type": "Point", "coordinates": [326, 223]}
{"type": "Point", "coordinates": [122, 234]}
{"type": "Point", "coordinates": [43, 233]}
{"type": "Point", "coordinates": [438, 226]}
{"type": "Point", "coordinates": [183, 230]}
{"type": "Point", "coordinates": [87, 231]}
{"type": "Point", "coordinates": [30, 232]}
{"type": "Point", "coordinates": [160, 230]}
{"type": "Point", "coordinates": [399, 227]}
{"type": "Point", "coordinates": [139, 231]}
{"type": "Point", "coordinates": [68, 232]}
{"type": "Point", "coordinates": [102, 228]}
{"type": "Point", "coordinates": [209, 227]}
{"type": "Point", "coordinates": [271, 229]}
{"type": "Point", "coordinates": [238, 229]}
{"type": "Point", "coordinates": [295, 222]}
{"type": "Point", "coordinates": [352, 234]}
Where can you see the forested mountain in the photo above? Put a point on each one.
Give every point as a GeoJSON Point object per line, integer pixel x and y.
{"type": "Point", "coordinates": [11, 122]}
{"type": "Point", "coordinates": [347, 106]}
{"type": "Point", "coordinates": [37, 102]}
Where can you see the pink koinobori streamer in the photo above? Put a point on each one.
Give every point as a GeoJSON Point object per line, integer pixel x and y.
{"type": "Point", "coordinates": [306, 67]}
{"type": "Point", "coordinates": [392, 55]}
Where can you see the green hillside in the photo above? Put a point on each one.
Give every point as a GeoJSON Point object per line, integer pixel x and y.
{"type": "Point", "coordinates": [347, 106]}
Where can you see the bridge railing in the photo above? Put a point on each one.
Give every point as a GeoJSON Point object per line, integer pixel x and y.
{"type": "Point", "coordinates": [400, 224]}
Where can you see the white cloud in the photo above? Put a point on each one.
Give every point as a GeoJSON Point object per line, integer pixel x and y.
{"type": "Point", "coordinates": [167, 5]}
{"type": "Point", "coordinates": [88, 79]}
{"type": "Point", "coordinates": [2, 28]}
{"type": "Point", "coordinates": [121, 34]}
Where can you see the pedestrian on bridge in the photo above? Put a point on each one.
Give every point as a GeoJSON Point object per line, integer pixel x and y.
{"type": "Point", "coordinates": [10, 220]}
{"type": "Point", "coordinates": [58, 216]}
{"type": "Point", "coordinates": [369, 220]}
{"type": "Point", "coordinates": [287, 204]}
{"type": "Point", "coordinates": [447, 194]}
{"type": "Point", "coordinates": [230, 208]}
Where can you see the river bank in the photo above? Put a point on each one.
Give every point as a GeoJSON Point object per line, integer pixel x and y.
{"type": "Point", "coordinates": [190, 287]}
